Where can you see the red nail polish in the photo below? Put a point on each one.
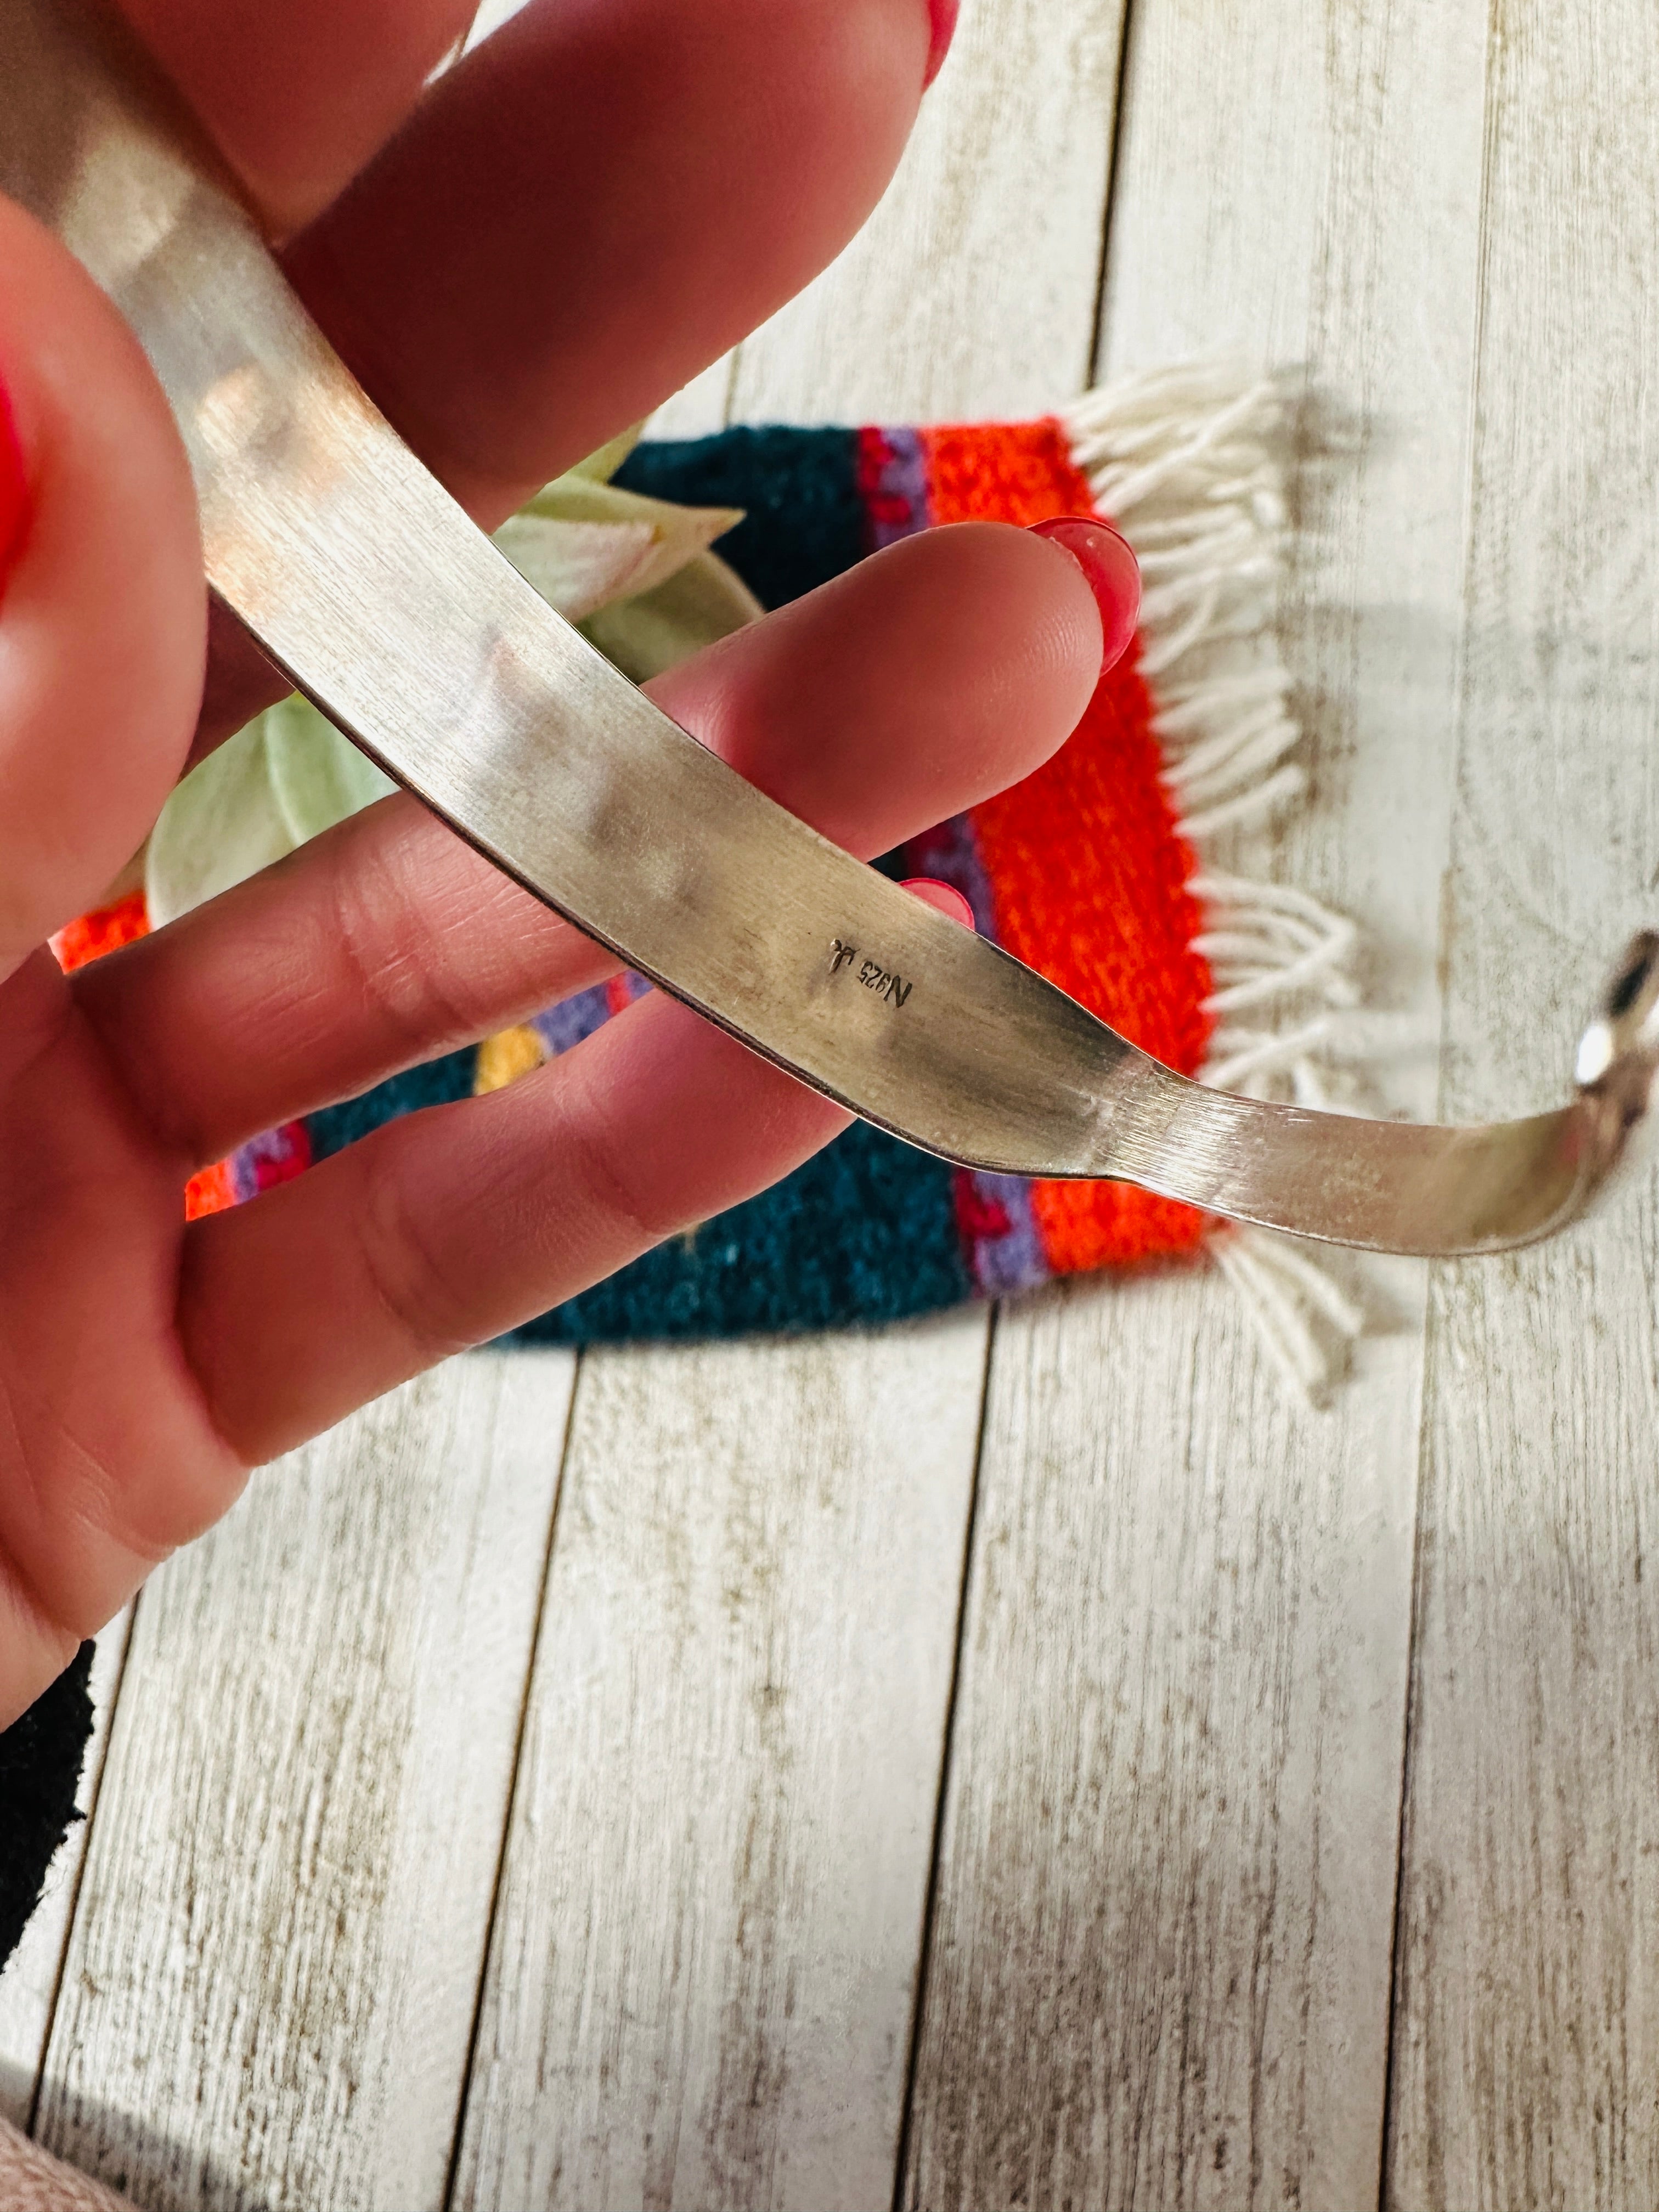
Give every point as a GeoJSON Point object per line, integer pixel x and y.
{"type": "Point", "coordinates": [1114, 575]}
{"type": "Point", "coordinates": [14, 491]}
{"type": "Point", "coordinates": [943, 898]}
{"type": "Point", "coordinates": [944, 14]}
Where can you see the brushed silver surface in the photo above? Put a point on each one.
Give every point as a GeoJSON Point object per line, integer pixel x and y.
{"type": "Point", "coordinates": [373, 592]}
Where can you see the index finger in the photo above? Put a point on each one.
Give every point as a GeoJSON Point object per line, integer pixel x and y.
{"type": "Point", "coordinates": [298, 93]}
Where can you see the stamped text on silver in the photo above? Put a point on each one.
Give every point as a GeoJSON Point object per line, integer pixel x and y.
{"type": "Point", "coordinates": [870, 973]}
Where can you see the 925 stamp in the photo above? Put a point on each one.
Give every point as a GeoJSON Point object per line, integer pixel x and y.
{"type": "Point", "coordinates": [870, 973]}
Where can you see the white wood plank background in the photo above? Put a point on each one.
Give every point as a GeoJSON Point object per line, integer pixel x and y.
{"type": "Point", "coordinates": [1160, 1961]}
{"type": "Point", "coordinates": [1529, 2036]}
{"type": "Point", "coordinates": [973, 286]}
{"type": "Point", "coordinates": [413, 1881]}
{"type": "Point", "coordinates": [274, 1968]}
{"type": "Point", "coordinates": [699, 1997]}
{"type": "Point", "coordinates": [700, 1986]}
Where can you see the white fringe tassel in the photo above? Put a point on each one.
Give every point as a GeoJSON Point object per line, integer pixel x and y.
{"type": "Point", "coordinates": [1187, 461]}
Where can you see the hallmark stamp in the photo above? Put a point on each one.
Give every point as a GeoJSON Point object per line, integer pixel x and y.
{"type": "Point", "coordinates": [873, 976]}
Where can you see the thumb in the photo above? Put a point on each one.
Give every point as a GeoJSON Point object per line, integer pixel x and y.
{"type": "Point", "coordinates": [102, 604]}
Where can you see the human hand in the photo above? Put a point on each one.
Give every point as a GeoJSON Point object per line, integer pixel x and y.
{"type": "Point", "coordinates": [571, 222]}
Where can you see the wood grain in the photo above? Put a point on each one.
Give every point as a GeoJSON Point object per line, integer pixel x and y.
{"type": "Point", "coordinates": [1159, 1965]}
{"type": "Point", "coordinates": [272, 1975]}
{"type": "Point", "coordinates": [1160, 1961]}
{"type": "Point", "coordinates": [28, 1984]}
{"type": "Point", "coordinates": [972, 288]}
{"type": "Point", "coordinates": [1528, 2027]}
{"type": "Point", "coordinates": [701, 1984]}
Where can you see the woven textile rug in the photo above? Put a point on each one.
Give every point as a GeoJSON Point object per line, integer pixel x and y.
{"type": "Point", "coordinates": [1101, 870]}
{"type": "Point", "coordinates": [1093, 870]}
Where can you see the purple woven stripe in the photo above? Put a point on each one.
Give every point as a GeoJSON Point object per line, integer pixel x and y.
{"type": "Point", "coordinates": [252, 1164]}
{"type": "Point", "coordinates": [950, 852]}
{"type": "Point", "coordinates": [1010, 1258]}
{"type": "Point", "coordinates": [572, 1019]}
{"type": "Point", "coordinates": [1013, 1260]}
{"type": "Point", "coordinates": [900, 509]}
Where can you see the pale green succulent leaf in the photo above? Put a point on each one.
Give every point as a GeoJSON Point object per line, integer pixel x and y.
{"type": "Point", "coordinates": [601, 467]}
{"type": "Point", "coordinates": [221, 823]}
{"type": "Point", "coordinates": [678, 534]}
{"type": "Point", "coordinates": [285, 777]}
{"type": "Point", "coordinates": [578, 566]}
{"type": "Point", "coordinates": [636, 572]}
{"type": "Point", "coordinates": [703, 602]}
{"type": "Point", "coordinates": [317, 777]}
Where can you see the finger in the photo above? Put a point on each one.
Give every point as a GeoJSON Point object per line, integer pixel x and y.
{"type": "Point", "coordinates": [453, 1225]}
{"type": "Point", "coordinates": [943, 898]}
{"type": "Point", "coordinates": [444, 1229]}
{"type": "Point", "coordinates": [102, 624]}
{"type": "Point", "coordinates": [108, 1458]}
{"type": "Point", "coordinates": [31, 2179]}
{"type": "Point", "coordinates": [335, 1287]}
{"type": "Point", "coordinates": [298, 96]}
{"type": "Point", "coordinates": [596, 203]}
{"type": "Point", "coordinates": [101, 634]}
{"type": "Point", "coordinates": [937, 672]}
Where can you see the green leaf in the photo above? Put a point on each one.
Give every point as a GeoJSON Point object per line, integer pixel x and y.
{"type": "Point", "coordinates": [221, 823]}
{"type": "Point", "coordinates": [636, 573]}
{"type": "Point", "coordinates": [317, 777]}
{"type": "Point", "coordinates": [705, 601]}
{"type": "Point", "coordinates": [626, 543]}
{"type": "Point", "coordinates": [578, 566]}
{"type": "Point", "coordinates": [601, 467]}
{"type": "Point", "coordinates": [285, 777]}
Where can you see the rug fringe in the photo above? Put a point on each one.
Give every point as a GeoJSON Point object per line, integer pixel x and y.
{"type": "Point", "coordinates": [1288, 1297]}
{"type": "Point", "coordinates": [1189, 462]}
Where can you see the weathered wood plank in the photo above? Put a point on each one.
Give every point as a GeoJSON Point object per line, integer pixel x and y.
{"type": "Point", "coordinates": [973, 287]}
{"type": "Point", "coordinates": [1527, 2018]}
{"type": "Point", "coordinates": [701, 1984]}
{"type": "Point", "coordinates": [1160, 1961]}
{"type": "Point", "coordinates": [28, 1985]}
{"type": "Point", "coordinates": [273, 1971]}
{"type": "Point", "coordinates": [1159, 1964]}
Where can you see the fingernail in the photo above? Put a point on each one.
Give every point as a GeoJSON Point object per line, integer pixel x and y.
{"type": "Point", "coordinates": [1112, 573]}
{"type": "Point", "coordinates": [944, 14]}
{"type": "Point", "coordinates": [943, 898]}
{"type": "Point", "coordinates": [14, 491]}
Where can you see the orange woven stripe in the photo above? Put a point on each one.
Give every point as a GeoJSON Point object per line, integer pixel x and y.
{"type": "Point", "coordinates": [212, 1191]}
{"type": "Point", "coordinates": [107, 931]}
{"type": "Point", "coordinates": [1087, 867]}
